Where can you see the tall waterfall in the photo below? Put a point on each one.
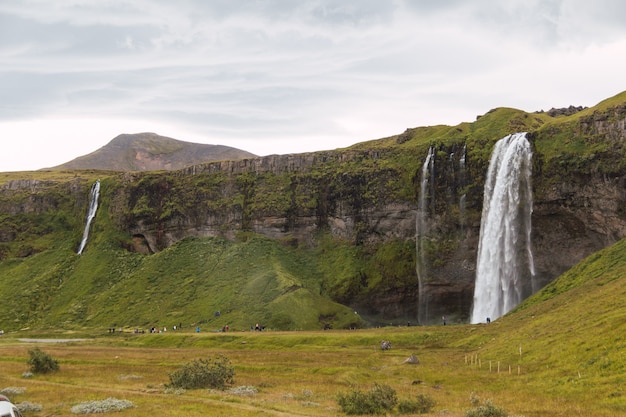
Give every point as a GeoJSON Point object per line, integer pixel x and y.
{"type": "Point", "coordinates": [505, 268]}
{"type": "Point", "coordinates": [421, 225]}
{"type": "Point", "coordinates": [93, 206]}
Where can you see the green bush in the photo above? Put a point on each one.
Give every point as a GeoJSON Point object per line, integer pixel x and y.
{"type": "Point", "coordinates": [41, 363]}
{"type": "Point", "coordinates": [486, 410]}
{"type": "Point", "coordinates": [423, 404]}
{"type": "Point", "coordinates": [379, 400]}
{"type": "Point", "coordinates": [203, 373]}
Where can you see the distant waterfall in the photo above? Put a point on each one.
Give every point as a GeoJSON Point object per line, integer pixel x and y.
{"type": "Point", "coordinates": [505, 268]}
{"type": "Point", "coordinates": [421, 224]}
{"type": "Point", "coordinates": [462, 183]}
{"type": "Point", "coordinates": [93, 206]}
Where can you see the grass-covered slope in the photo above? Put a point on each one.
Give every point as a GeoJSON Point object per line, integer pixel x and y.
{"type": "Point", "coordinates": [251, 282]}
{"type": "Point", "coordinates": [45, 284]}
{"type": "Point", "coordinates": [569, 338]}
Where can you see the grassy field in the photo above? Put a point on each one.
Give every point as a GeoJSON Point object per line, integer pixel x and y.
{"type": "Point", "coordinates": [301, 373]}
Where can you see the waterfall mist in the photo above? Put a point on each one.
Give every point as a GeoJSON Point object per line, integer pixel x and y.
{"type": "Point", "coordinates": [505, 268]}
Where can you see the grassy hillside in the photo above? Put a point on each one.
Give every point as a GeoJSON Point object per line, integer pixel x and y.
{"type": "Point", "coordinates": [257, 281]}
{"type": "Point", "coordinates": [560, 353]}
{"type": "Point", "coordinates": [569, 337]}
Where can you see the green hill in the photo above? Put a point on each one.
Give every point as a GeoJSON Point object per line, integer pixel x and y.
{"type": "Point", "coordinates": [569, 337]}
{"type": "Point", "coordinates": [208, 282]}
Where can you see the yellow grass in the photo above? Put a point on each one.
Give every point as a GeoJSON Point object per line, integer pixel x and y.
{"type": "Point", "coordinates": [295, 373]}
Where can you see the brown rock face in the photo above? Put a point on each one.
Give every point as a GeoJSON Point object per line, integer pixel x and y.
{"type": "Point", "coordinates": [573, 221]}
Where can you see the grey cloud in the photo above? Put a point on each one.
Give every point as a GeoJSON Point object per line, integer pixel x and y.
{"type": "Point", "coordinates": [278, 66]}
{"type": "Point", "coordinates": [547, 23]}
{"type": "Point", "coordinates": [325, 12]}
{"type": "Point", "coordinates": [432, 7]}
{"type": "Point", "coordinates": [28, 95]}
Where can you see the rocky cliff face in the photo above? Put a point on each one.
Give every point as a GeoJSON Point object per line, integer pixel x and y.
{"type": "Point", "coordinates": [580, 198]}
{"type": "Point", "coordinates": [571, 222]}
{"type": "Point", "coordinates": [369, 199]}
{"type": "Point", "coordinates": [286, 197]}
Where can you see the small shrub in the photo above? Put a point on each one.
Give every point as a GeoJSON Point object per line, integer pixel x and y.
{"type": "Point", "coordinates": [423, 404]}
{"type": "Point", "coordinates": [127, 377]}
{"type": "Point", "coordinates": [246, 391]}
{"type": "Point", "coordinates": [9, 391]}
{"type": "Point", "coordinates": [203, 373]}
{"type": "Point", "coordinates": [41, 363]}
{"type": "Point", "coordinates": [102, 406]}
{"type": "Point", "coordinates": [385, 396]}
{"type": "Point", "coordinates": [486, 410]}
{"type": "Point", "coordinates": [28, 407]}
{"type": "Point", "coordinates": [379, 400]}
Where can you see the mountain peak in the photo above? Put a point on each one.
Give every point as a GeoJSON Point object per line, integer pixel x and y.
{"type": "Point", "coordinates": [149, 151]}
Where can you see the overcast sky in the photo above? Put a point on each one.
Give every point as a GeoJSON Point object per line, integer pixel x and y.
{"type": "Point", "coordinates": [288, 76]}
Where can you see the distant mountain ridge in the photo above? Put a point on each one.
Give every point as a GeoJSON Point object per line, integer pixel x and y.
{"type": "Point", "coordinates": [152, 152]}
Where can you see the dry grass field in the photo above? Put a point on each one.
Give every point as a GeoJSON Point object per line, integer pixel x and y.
{"type": "Point", "coordinates": [284, 373]}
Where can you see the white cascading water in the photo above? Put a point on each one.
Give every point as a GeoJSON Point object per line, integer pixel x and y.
{"type": "Point", "coordinates": [93, 206]}
{"type": "Point", "coordinates": [505, 267]}
{"type": "Point", "coordinates": [420, 233]}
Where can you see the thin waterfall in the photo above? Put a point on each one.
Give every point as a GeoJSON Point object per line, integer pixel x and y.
{"type": "Point", "coordinates": [505, 268]}
{"type": "Point", "coordinates": [421, 225]}
{"type": "Point", "coordinates": [462, 183]}
{"type": "Point", "coordinates": [462, 211]}
{"type": "Point", "coordinates": [93, 206]}
{"type": "Point", "coordinates": [462, 161]}
{"type": "Point", "coordinates": [451, 174]}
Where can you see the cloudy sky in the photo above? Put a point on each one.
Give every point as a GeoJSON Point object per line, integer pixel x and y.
{"type": "Point", "coordinates": [286, 76]}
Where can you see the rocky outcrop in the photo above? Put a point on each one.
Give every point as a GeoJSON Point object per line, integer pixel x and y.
{"type": "Point", "coordinates": [570, 222]}
{"type": "Point", "coordinates": [283, 197]}
{"type": "Point", "coordinates": [565, 111]}
{"type": "Point", "coordinates": [34, 196]}
{"type": "Point", "coordinates": [283, 164]}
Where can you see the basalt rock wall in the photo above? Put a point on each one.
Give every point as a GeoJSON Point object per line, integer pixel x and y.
{"type": "Point", "coordinates": [288, 197]}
